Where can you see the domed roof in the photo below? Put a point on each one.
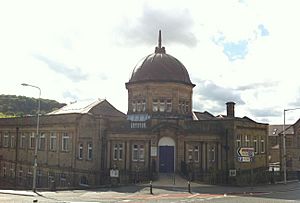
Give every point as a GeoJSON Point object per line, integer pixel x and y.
{"type": "Point", "coordinates": [160, 67]}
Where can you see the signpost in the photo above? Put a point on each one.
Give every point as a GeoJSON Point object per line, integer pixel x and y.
{"type": "Point", "coordinates": [245, 154]}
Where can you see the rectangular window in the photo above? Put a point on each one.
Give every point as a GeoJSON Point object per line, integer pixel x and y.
{"type": "Point", "coordinates": [118, 151]}
{"type": "Point", "coordinates": [161, 105]}
{"type": "Point", "coordinates": [247, 141]}
{"type": "Point", "coordinates": [65, 142]}
{"type": "Point", "coordinates": [4, 171]}
{"type": "Point", "coordinates": [0, 139]}
{"type": "Point", "coordinates": [262, 146]}
{"type": "Point", "coordinates": [52, 141]}
{"type": "Point", "coordinates": [139, 106]}
{"type": "Point", "coordinates": [23, 140]}
{"type": "Point", "coordinates": [133, 106]}
{"type": "Point", "coordinates": [42, 141]}
{"type": "Point", "coordinates": [143, 106]}
{"type": "Point", "coordinates": [32, 141]}
{"type": "Point", "coordinates": [138, 152]}
{"type": "Point", "coordinates": [196, 153]}
{"type": "Point", "coordinates": [155, 105]}
{"type": "Point", "coordinates": [80, 151]}
{"type": "Point", "coordinates": [255, 145]}
{"type": "Point", "coordinates": [12, 141]}
{"type": "Point", "coordinates": [238, 141]}
{"type": "Point", "coordinates": [5, 139]}
{"type": "Point", "coordinates": [190, 153]}
{"type": "Point", "coordinates": [212, 154]}
{"type": "Point", "coordinates": [187, 106]}
{"type": "Point", "coordinates": [169, 105]}
{"type": "Point", "coordinates": [90, 151]}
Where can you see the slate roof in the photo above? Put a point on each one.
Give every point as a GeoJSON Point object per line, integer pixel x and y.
{"type": "Point", "coordinates": [81, 107]}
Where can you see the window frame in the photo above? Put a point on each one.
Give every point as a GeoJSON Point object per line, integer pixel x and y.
{"type": "Point", "coordinates": [89, 151]}
{"type": "Point", "coordinates": [65, 142]}
{"type": "Point", "coordinates": [80, 151]}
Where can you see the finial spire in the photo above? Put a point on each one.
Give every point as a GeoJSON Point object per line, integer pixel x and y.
{"type": "Point", "coordinates": [160, 49]}
{"type": "Point", "coordinates": [159, 39]}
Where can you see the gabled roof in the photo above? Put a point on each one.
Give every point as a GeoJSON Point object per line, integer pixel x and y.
{"type": "Point", "coordinates": [80, 107]}
{"type": "Point", "coordinates": [203, 115]}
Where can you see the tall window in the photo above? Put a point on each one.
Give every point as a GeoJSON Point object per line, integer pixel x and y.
{"type": "Point", "coordinates": [22, 140]}
{"type": "Point", "coordinates": [247, 141]}
{"type": "Point", "coordinates": [133, 106]}
{"type": "Point", "coordinates": [118, 151]}
{"type": "Point", "coordinates": [143, 105]}
{"type": "Point", "coordinates": [255, 145]}
{"type": "Point", "coordinates": [53, 141]}
{"type": "Point", "coordinates": [138, 152]}
{"type": "Point", "coordinates": [262, 146]}
{"type": "Point", "coordinates": [187, 106]}
{"type": "Point", "coordinates": [169, 105]}
{"type": "Point", "coordinates": [65, 142]}
{"type": "Point", "coordinates": [80, 151]}
{"type": "Point", "coordinates": [139, 106]}
{"type": "Point", "coordinates": [32, 140]}
{"type": "Point", "coordinates": [161, 105]}
{"type": "Point", "coordinates": [212, 154]}
{"type": "Point", "coordinates": [238, 141]}
{"type": "Point", "coordinates": [196, 153]}
{"type": "Point", "coordinates": [5, 140]}
{"type": "Point", "coordinates": [155, 105]}
{"type": "Point", "coordinates": [42, 141]}
{"type": "Point", "coordinates": [12, 141]}
{"type": "Point", "coordinates": [90, 151]}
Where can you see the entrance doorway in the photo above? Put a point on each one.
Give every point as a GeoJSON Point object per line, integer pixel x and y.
{"type": "Point", "coordinates": [166, 159]}
{"type": "Point", "coordinates": [166, 150]}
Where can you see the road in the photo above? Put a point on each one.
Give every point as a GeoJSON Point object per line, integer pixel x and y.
{"type": "Point", "coordinates": [133, 194]}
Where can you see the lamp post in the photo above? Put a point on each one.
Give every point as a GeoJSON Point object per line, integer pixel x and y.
{"type": "Point", "coordinates": [36, 137]}
{"type": "Point", "coordinates": [284, 147]}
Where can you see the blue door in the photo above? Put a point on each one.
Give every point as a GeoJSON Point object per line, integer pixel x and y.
{"type": "Point", "coordinates": [166, 159]}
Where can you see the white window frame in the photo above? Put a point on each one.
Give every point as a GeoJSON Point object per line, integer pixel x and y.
{"type": "Point", "coordinates": [65, 142]}
{"type": "Point", "coordinates": [53, 141]}
{"type": "Point", "coordinates": [155, 105]}
{"type": "Point", "coordinates": [262, 146]}
{"type": "Point", "coordinates": [32, 140]}
{"type": "Point", "coordinates": [247, 141]}
{"type": "Point", "coordinates": [22, 144]}
{"type": "Point", "coordinates": [12, 141]}
{"type": "Point", "coordinates": [138, 152]}
{"type": "Point", "coordinates": [80, 151]}
{"type": "Point", "coordinates": [162, 105]}
{"type": "Point", "coordinates": [169, 106]}
{"type": "Point", "coordinates": [196, 153]}
{"type": "Point", "coordinates": [143, 105]}
{"type": "Point", "coordinates": [6, 139]}
{"type": "Point", "coordinates": [139, 106]}
{"type": "Point", "coordinates": [212, 151]}
{"type": "Point", "coordinates": [133, 106]}
{"type": "Point", "coordinates": [118, 151]}
{"type": "Point", "coordinates": [238, 141]}
{"type": "Point", "coordinates": [90, 151]}
{"type": "Point", "coordinates": [42, 138]}
{"type": "Point", "coordinates": [255, 145]}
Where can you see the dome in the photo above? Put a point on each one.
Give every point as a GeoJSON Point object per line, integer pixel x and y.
{"type": "Point", "coordinates": [160, 67]}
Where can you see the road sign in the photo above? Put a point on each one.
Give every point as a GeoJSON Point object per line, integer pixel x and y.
{"type": "Point", "coordinates": [245, 159]}
{"type": "Point", "coordinates": [246, 152]}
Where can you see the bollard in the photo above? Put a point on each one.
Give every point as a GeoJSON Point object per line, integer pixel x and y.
{"type": "Point", "coordinates": [189, 186]}
{"type": "Point", "coordinates": [151, 187]}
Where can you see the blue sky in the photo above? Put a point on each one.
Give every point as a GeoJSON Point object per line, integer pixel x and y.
{"type": "Point", "coordinates": [239, 50]}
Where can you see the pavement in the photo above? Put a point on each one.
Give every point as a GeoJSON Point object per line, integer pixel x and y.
{"type": "Point", "coordinates": [168, 184]}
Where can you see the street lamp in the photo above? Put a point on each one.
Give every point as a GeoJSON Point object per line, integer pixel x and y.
{"type": "Point", "coordinates": [36, 137]}
{"type": "Point", "coordinates": [284, 147]}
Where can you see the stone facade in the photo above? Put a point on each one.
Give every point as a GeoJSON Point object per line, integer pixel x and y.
{"type": "Point", "coordinates": [159, 134]}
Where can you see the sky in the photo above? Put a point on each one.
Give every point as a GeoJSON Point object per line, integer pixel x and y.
{"type": "Point", "coordinates": [246, 51]}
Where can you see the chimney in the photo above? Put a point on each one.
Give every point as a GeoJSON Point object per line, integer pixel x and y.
{"type": "Point", "coordinates": [230, 109]}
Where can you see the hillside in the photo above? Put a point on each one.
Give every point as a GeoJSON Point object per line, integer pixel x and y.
{"type": "Point", "coordinates": [12, 105]}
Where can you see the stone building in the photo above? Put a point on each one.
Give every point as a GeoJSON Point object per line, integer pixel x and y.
{"type": "Point", "coordinates": [160, 134]}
